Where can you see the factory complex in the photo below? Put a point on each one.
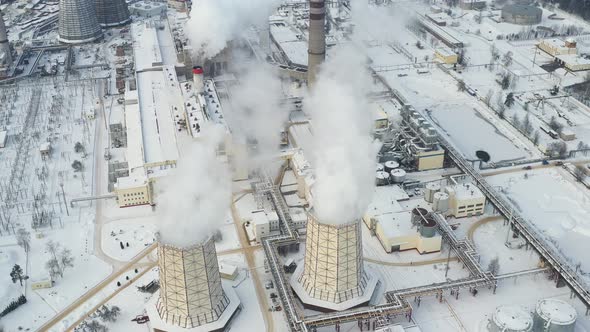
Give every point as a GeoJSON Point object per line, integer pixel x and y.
{"type": "Point", "coordinates": [301, 166]}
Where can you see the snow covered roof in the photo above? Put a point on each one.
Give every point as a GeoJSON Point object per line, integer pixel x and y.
{"type": "Point", "coordinates": [464, 191]}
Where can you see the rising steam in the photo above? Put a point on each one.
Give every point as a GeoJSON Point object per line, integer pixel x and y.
{"type": "Point", "coordinates": [196, 197]}
{"type": "Point", "coordinates": [257, 113]}
{"type": "Point", "coordinates": [213, 23]}
{"type": "Point", "coordinates": [344, 153]}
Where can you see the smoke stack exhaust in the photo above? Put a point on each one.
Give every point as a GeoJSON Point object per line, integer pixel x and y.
{"type": "Point", "coordinates": [316, 52]}
{"type": "Point", "coordinates": [198, 81]}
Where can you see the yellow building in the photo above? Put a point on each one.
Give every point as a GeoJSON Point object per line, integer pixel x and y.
{"type": "Point", "coordinates": [465, 200]}
{"type": "Point", "coordinates": [395, 232]}
{"type": "Point", "coordinates": [41, 283]}
{"type": "Point", "coordinates": [134, 190]}
{"type": "Point", "coordinates": [446, 55]}
{"type": "Point", "coordinates": [573, 62]}
{"type": "Point", "coordinates": [557, 47]}
{"type": "Point", "coordinates": [381, 119]}
{"type": "Point", "coordinates": [433, 159]}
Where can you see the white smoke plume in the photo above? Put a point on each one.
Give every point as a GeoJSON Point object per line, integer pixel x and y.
{"type": "Point", "coordinates": [378, 22]}
{"type": "Point", "coordinates": [195, 198]}
{"type": "Point", "coordinates": [344, 153]}
{"type": "Point", "coordinates": [213, 23]}
{"type": "Point", "coordinates": [257, 112]}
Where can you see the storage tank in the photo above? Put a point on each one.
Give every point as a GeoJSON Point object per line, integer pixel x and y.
{"type": "Point", "coordinates": [417, 215]}
{"type": "Point", "coordinates": [379, 167]}
{"type": "Point", "coordinates": [553, 315]}
{"type": "Point", "coordinates": [429, 191]}
{"type": "Point", "coordinates": [391, 165]}
{"type": "Point", "coordinates": [428, 227]}
{"type": "Point", "coordinates": [440, 202]}
{"type": "Point", "coordinates": [511, 319]}
{"type": "Point", "coordinates": [398, 175]}
{"type": "Point", "coordinates": [382, 178]}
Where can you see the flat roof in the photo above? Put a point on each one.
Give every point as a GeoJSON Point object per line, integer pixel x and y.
{"type": "Point", "coordinates": [294, 47]}
{"type": "Point", "coordinates": [573, 59]}
{"type": "Point", "coordinates": [157, 99]}
{"type": "Point", "coordinates": [146, 46]}
{"type": "Point", "coordinates": [445, 51]}
{"type": "Point", "coordinates": [134, 151]}
{"type": "Point", "coordinates": [467, 191]}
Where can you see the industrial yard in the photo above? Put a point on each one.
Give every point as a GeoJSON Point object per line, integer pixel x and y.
{"type": "Point", "coordinates": [301, 166]}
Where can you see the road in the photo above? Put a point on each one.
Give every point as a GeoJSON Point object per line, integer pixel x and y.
{"type": "Point", "coordinates": [94, 290]}
{"type": "Point", "coordinates": [480, 223]}
{"type": "Point", "coordinates": [251, 261]}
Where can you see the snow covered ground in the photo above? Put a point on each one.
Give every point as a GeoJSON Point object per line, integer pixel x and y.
{"type": "Point", "coordinates": [557, 207]}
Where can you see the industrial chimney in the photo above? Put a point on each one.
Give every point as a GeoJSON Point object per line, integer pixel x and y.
{"type": "Point", "coordinates": [5, 54]}
{"type": "Point", "coordinates": [198, 80]}
{"type": "Point", "coordinates": [316, 53]}
{"type": "Point", "coordinates": [332, 277]}
{"type": "Point", "coordinates": [191, 294]}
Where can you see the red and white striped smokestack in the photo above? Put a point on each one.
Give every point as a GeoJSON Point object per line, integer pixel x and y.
{"type": "Point", "coordinates": [316, 52]}
{"type": "Point", "coordinates": [198, 80]}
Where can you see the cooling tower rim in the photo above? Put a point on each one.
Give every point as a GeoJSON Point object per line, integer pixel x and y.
{"type": "Point", "coordinates": [197, 245]}
{"type": "Point", "coordinates": [115, 24]}
{"type": "Point", "coordinates": [311, 215]}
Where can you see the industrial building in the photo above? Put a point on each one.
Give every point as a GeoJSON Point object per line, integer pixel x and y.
{"type": "Point", "coordinates": [472, 4]}
{"type": "Point", "coordinates": [522, 14]}
{"type": "Point", "coordinates": [150, 110]}
{"type": "Point", "coordinates": [191, 294]}
{"type": "Point", "coordinates": [78, 22]}
{"type": "Point", "coordinates": [446, 55]}
{"type": "Point", "coordinates": [332, 276]}
{"type": "Point", "coordinates": [398, 229]}
{"type": "Point", "coordinates": [5, 52]}
{"type": "Point", "coordinates": [417, 141]}
{"type": "Point", "coordinates": [557, 47]}
{"type": "Point", "coordinates": [112, 13]}
{"type": "Point", "coordinates": [465, 200]}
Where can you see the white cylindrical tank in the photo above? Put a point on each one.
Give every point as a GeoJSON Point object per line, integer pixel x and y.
{"type": "Point", "coordinates": [391, 165]}
{"type": "Point", "coordinates": [440, 202]}
{"type": "Point", "coordinates": [379, 167]}
{"type": "Point", "coordinates": [429, 191]}
{"type": "Point", "coordinates": [382, 178]}
{"type": "Point", "coordinates": [553, 315]}
{"type": "Point", "coordinates": [398, 175]}
{"type": "Point", "coordinates": [511, 319]}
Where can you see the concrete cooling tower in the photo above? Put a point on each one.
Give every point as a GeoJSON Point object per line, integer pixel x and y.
{"type": "Point", "coordinates": [191, 295]}
{"type": "Point", "coordinates": [112, 13]}
{"type": "Point", "coordinates": [332, 276]}
{"type": "Point", "coordinates": [77, 22]}
{"type": "Point", "coordinates": [5, 54]}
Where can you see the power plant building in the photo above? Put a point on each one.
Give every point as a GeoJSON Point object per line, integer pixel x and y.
{"type": "Point", "coordinates": [332, 276]}
{"type": "Point", "coordinates": [112, 13]}
{"type": "Point", "coordinates": [191, 294]}
{"type": "Point", "coordinates": [78, 22]}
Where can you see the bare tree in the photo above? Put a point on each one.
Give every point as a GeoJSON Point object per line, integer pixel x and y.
{"type": "Point", "coordinates": [23, 239]}
{"type": "Point", "coordinates": [53, 269]}
{"type": "Point", "coordinates": [527, 127]}
{"type": "Point", "coordinates": [580, 173]}
{"type": "Point", "coordinates": [536, 137]}
{"type": "Point", "coordinates": [65, 259]}
{"type": "Point", "coordinates": [94, 326]}
{"type": "Point", "coordinates": [494, 266]}
{"type": "Point", "coordinates": [108, 314]}
{"type": "Point", "coordinates": [461, 85]}
{"type": "Point", "coordinates": [488, 98]}
{"type": "Point", "coordinates": [507, 59]}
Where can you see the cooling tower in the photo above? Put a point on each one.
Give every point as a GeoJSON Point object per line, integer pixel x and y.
{"type": "Point", "coordinates": [191, 294]}
{"type": "Point", "coordinates": [78, 22]}
{"type": "Point", "coordinates": [316, 53]}
{"type": "Point", "coordinates": [112, 13]}
{"type": "Point", "coordinates": [332, 276]}
{"type": "Point", "coordinates": [5, 55]}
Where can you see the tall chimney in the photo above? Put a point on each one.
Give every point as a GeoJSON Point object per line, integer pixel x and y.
{"type": "Point", "coordinates": [198, 80]}
{"type": "Point", "coordinates": [317, 40]}
{"type": "Point", "coordinates": [5, 55]}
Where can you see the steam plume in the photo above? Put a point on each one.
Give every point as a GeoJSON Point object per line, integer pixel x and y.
{"type": "Point", "coordinates": [344, 154]}
{"type": "Point", "coordinates": [196, 197]}
{"type": "Point", "coordinates": [213, 23]}
{"type": "Point", "coordinates": [258, 113]}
